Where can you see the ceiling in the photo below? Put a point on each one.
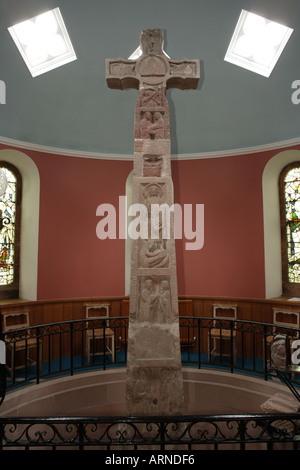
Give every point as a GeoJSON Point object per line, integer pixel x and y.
{"type": "Point", "coordinates": [72, 108]}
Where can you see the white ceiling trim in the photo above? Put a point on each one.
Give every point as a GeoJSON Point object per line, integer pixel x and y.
{"type": "Point", "coordinates": [125, 157]}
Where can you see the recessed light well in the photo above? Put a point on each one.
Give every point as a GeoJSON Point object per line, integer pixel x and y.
{"type": "Point", "coordinates": [257, 43]}
{"type": "Point", "coordinates": [43, 42]}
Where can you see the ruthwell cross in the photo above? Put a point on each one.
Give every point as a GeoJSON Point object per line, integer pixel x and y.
{"type": "Point", "coordinates": [154, 379]}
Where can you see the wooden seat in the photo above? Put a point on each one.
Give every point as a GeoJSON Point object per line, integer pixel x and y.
{"type": "Point", "coordinates": [218, 332]}
{"type": "Point", "coordinates": [286, 319]}
{"type": "Point", "coordinates": [21, 341]}
{"type": "Point", "coordinates": [95, 335]}
{"type": "Point", "coordinates": [221, 331]}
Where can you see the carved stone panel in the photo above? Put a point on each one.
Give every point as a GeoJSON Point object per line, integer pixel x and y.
{"type": "Point", "coordinates": [152, 97]}
{"type": "Point", "coordinates": [153, 254]}
{"type": "Point", "coordinates": [152, 41]}
{"type": "Point", "coordinates": [152, 120]}
{"type": "Point", "coordinates": [152, 165]}
{"type": "Point", "coordinates": [152, 124]}
{"type": "Point", "coordinates": [154, 391]}
{"type": "Point", "coordinates": [154, 300]}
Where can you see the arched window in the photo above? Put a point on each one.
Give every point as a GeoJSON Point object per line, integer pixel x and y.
{"type": "Point", "coordinates": [10, 212]}
{"type": "Point", "coordinates": [289, 186]}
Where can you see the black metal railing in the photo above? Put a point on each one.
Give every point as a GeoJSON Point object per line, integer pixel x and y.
{"type": "Point", "coordinates": [235, 345]}
{"type": "Point", "coordinates": [187, 433]}
{"type": "Point", "coordinates": [42, 351]}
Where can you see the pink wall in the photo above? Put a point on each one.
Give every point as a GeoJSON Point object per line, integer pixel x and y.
{"type": "Point", "coordinates": [231, 262]}
{"type": "Point", "coordinates": [74, 263]}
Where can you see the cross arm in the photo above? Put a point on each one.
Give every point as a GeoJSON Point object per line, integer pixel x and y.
{"type": "Point", "coordinates": [183, 74]}
{"type": "Point", "coordinates": [121, 74]}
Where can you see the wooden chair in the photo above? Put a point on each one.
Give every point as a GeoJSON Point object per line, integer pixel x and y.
{"type": "Point", "coordinates": [95, 334]}
{"type": "Point", "coordinates": [221, 331]}
{"type": "Point", "coordinates": [285, 318]}
{"type": "Point", "coordinates": [22, 341]}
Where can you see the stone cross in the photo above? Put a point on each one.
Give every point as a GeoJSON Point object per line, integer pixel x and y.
{"type": "Point", "coordinates": [154, 379]}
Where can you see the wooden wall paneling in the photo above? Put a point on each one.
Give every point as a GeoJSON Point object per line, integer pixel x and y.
{"type": "Point", "coordinates": [244, 338]}
{"type": "Point", "coordinates": [123, 331]}
{"type": "Point", "coordinates": [115, 308]}
{"type": "Point", "coordinates": [256, 315]}
{"type": "Point", "coordinates": [125, 308]}
{"type": "Point", "coordinates": [78, 308]}
{"type": "Point", "coordinates": [197, 310]}
{"type": "Point", "coordinates": [46, 311]}
{"type": "Point", "coordinates": [37, 318]}
{"type": "Point", "coordinates": [207, 312]}
{"type": "Point", "coordinates": [58, 344]}
{"type": "Point", "coordinates": [187, 334]}
{"type": "Point", "coordinates": [116, 311]}
{"type": "Point", "coordinates": [63, 312]}
{"type": "Point", "coordinates": [68, 311]}
{"type": "Point", "coordinates": [207, 307]}
{"type": "Point", "coordinates": [197, 307]}
{"type": "Point", "coordinates": [266, 312]}
{"type": "Point", "coordinates": [35, 313]}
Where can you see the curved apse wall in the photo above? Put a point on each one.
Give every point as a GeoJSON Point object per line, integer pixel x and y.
{"type": "Point", "coordinates": [63, 258]}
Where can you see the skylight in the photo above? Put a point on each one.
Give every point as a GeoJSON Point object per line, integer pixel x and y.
{"type": "Point", "coordinates": [43, 42]}
{"type": "Point", "coordinates": [257, 43]}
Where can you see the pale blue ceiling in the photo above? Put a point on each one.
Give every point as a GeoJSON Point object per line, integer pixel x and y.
{"type": "Point", "coordinates": [72, 108]}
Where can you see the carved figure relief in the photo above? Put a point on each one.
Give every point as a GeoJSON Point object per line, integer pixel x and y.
{"type": "Point", "coordinates": [153, 254]}
{"type": "Point", "coordinates": [152, 165]}
{"type": "Point", "coordinates": [122, 68]}
{"type": "Point", "coordinates": [152, 125]}
{"type": "Point", "coordinates": [152, 41]}
{"type": "Point", "coordinates": [153, 194]}
{"type": "Point", "coordinates": [155, 305]}
{"type": "Point", "coordinates": [148, 302]}
{"type": "Point", "coordinates": [165, 300]}
{"type": "Point", "coordinates": [184, 68]}
{"type": "Point", "coordinates": [158, 126]}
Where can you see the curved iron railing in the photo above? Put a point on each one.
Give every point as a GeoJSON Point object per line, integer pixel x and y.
{"type": "Point", "coordinates": [187, 433]}
{"type": "Point", "coordinates": [60, 348]}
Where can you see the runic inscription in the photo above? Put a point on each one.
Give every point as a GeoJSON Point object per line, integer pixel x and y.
{"type": "Point", "coordinates": [154, 379]}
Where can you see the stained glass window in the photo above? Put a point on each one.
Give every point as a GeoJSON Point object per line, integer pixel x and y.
{"type": "Point", "coordinates": [290, 220]}
{"type": "Point", "coordinates": [9, 230]}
